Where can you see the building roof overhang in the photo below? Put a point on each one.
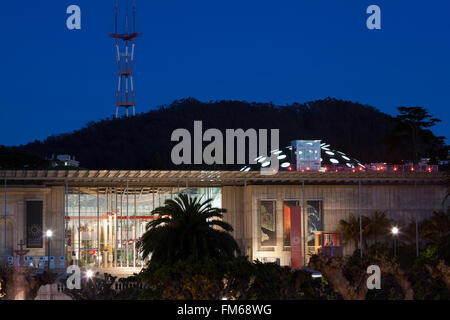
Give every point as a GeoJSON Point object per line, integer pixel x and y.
{"type": "Point", "coordinates": [205, 178]}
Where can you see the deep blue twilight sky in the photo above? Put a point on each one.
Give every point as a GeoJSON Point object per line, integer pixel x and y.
{"type": "Point", "coordinates": [54, 80]}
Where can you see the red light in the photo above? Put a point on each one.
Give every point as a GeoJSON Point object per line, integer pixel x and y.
{"type": "Point", "coordinates": [307, 168]}
{"type": "Point", "coordinates": [353, 170]}
{"type": "Point", "coordinates": [360, 169]}
{"type": "Point", "coordinates": [325, 168]}
{"type": "Point", "coordinates": [395, 169]}
{"type": "Point", "coordinates": [429, 169]}
{"type": "Point", "coordinates": [412, 168]}
{"type": "Point", "coordinates": [290, 168]}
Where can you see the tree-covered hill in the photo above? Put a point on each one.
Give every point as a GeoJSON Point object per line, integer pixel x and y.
{"type": "Point", "coordinates": [144, 141]}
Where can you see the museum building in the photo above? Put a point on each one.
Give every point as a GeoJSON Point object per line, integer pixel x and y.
{"type": "Point", "coordinates": [97, 216]}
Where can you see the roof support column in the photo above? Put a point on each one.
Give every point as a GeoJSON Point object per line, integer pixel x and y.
{"type": "Point", "coordinates": [417, 218]}
{"type": "Point", "coordinates": [135, 233]}
{"type": "Point", "coordinates": [116, 227]}
{"type": "Point", "coordinates": [79, 226]}
{"type": "Point", "coordinates": [98, 228]}
{"type": "Point", "coordinates": [128, 239]}
{"type": "Point", "coordinates": [4, 231]}
{"type": "Point", "coordinates": [305, 212]}
{"type": "Point", "coordinates": [66, 222]}
{"type": "Point", "coordinates": [360, 220]}
{"type": "Point", "coordinates": [245, 218]}
{"type": "Point", "coordinates": [234, 212]}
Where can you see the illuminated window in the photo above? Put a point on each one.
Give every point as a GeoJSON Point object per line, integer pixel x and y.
{"type": "Point", "coordinates": [287, 205]}
{"type": "Point", "coordinates": [315, 219]}
{"type": "Point", "coordinates": [267, 224]}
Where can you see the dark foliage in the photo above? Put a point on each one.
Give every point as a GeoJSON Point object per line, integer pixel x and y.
{"type": "Point", "coordinates": [188, 227]}
{"type": "Point", "coordinates": [104, 288]}
{"type": "Point", "coordinates": [14, 159]}
{"type": "Point", "coordinates": [412, 138]}
{"type": "Point", "coordinates": [236, 279]}
{"type": "Point", "coordinates": [144, 141]}
{"type": "Point", "coordinates": [25, 283]}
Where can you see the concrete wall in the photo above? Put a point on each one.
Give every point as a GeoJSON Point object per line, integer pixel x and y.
{"type": "Point", "coordinates": [53, 216]}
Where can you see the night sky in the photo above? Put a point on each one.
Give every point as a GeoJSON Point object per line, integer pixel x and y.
{"type": "Point", "coordinates": [55, 80]}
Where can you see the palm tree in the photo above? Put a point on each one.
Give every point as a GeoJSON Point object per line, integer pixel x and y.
{"type": "Point", "coordinates": [378, 225]}
{"type": "Point", "coordinates": [431, 230]}
{"type": "Point", "coordinates": [437, 225]}
{"type": "Point", "coordinates": [350, 229]}
{"type": "Point", "coordinates": [187, 228]}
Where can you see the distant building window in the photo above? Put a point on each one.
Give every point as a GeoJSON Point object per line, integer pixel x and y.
{"type": "Point", "coordinates": [64, 160]}
{"type": "Point", "coordinates": [315, 219]}
{"type": "Point", "coordinates": [267, 224]}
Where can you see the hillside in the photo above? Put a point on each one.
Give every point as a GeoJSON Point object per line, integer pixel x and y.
{"type": "Point", "coordinates": [143, 141]}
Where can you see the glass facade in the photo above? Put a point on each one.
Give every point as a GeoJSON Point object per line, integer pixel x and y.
{"type": "Point", "coordinates": [103, 225]}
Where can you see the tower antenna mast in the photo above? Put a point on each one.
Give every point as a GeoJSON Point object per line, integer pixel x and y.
{"type": "Point", "coordinates": [125, 61]}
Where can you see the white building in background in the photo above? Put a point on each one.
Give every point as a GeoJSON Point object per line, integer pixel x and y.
{"type": "Point", "coordinates": [65, 160]}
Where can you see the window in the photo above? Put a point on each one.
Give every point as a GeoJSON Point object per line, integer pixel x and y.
{"type": "Point", "coordinates": [287, 220]}
{"type": "Point", "coordinates": [104, 224]}
{"type": "Point", "coordinates": [315, 219]}
{"type": "Point", "coordinates": [34, 224]}
{"type": "Point", "coordinates": [267, 223]}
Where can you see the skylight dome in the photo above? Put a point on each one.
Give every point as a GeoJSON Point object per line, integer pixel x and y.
{"type": "Point", "coordinates": [327, 156]}
{"type": "Point", "coordinates": [265, 164]}
{"type": "Point", "coordinates": [262, 159]}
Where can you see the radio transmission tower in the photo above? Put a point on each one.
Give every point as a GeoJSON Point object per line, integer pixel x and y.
{"type": "Point", "coordinates": [125, 58]}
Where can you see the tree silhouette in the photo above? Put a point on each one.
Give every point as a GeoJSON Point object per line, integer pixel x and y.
{"type": "Point", "coordinates": [351, 229]}
{"type": "Point", "coordinates": [187, 227]}
{"type": "Point", "coordinates": [378, 226]}
{"type": "Point", "coordinates": [135, 142]}
{"type": "Point", "coordinates": [412, 123]}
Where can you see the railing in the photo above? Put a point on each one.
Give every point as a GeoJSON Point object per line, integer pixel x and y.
{"type": "Point", "coordinates": [117, 286]}
{"type": "Point", "coordinates": [331, 251]}
{"type": "Point", "coordinates": [39, 263]}
{"type": "Point", "coordinates": [382, 168]}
